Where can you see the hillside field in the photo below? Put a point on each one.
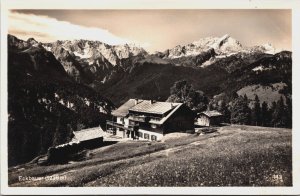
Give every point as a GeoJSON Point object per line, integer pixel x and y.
{"type": "Point", "coordinates": [232, 156]}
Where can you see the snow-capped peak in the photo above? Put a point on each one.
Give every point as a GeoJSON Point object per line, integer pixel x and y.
{"type": "Point", "coordinates": [265, 48]}
{"type": "Point", "coordinates": [226, 36]}
{"type": "Point", "coordinates": [224, 45]}
{"type": "Point", "coordinates": [227, 44]}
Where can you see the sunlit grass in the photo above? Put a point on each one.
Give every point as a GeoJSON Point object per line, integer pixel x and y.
{"type": "Point", "coordinates": [233, 156]}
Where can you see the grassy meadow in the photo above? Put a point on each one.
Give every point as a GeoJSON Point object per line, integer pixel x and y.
{"type": "Point", "coordinates": [232, 156]}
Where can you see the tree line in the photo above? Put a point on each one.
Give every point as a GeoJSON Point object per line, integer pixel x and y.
{"type": "Point", "coordinates": [278, 114]}
{"type": "Point", "coordinates": [236, 109]}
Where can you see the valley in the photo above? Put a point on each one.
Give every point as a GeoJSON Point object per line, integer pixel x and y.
{"type": "Point", "coordinates": [64, 86]}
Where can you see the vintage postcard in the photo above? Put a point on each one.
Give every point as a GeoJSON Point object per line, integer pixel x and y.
{"type": "Point", "coordinates": [153, 98]}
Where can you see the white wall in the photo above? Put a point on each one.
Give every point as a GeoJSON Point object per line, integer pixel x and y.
{"type": "Point", "coordinates": [120, 133]}
{"type": "Point", "coordinates": [203, 120]}
{"type": "Point", "coordinates": [126, 121]}
{"type": "Point", "coordinates": [158, 135]}
{"type": "Point", "coordinates": [119, 120]}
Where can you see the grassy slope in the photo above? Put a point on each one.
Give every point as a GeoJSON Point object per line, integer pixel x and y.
{"type": "Point", "coordinates": [233, 156]}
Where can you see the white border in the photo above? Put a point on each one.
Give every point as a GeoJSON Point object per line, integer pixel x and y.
{"type": "Point", "coordinates": [152, 4]}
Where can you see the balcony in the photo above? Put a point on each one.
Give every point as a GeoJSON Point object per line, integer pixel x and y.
{"type": "Point", "coordinates": [155, 119]}
{"type": "Point", "coordinates": [138, 118]}
{"type": "Point", "coordinates": [118, 125]}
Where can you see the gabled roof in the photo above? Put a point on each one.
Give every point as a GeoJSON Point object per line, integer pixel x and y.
{"type": "Point", "coordinates": [148, 106]}
{"type": "Point", "coordinates": [211, 113]}
{"type": "Point", "coordinates": [88, 134]}
{"type": "Point", "coordinates": [123, 109]}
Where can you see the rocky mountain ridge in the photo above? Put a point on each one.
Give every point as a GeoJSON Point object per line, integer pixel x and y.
{"type": "Point", "coordinates": [90, 61]}
{"type": "Point", "coordinates": [94, 62]}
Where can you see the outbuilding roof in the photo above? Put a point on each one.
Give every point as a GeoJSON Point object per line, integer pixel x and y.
{"type": "Point", "coordinates": [211, 113]}
{"type": "Point", "coordinates": [88, 134]}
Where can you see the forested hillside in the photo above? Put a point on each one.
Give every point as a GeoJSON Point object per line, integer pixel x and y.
{"type": "Point", "coordinates": [44, 104]}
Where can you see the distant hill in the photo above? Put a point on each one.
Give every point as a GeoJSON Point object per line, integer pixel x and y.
{"type": "Point", "coordinates": [153, 81]}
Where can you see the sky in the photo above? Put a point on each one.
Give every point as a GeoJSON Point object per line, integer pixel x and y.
{"type": "Point", "coordinates": [155, 30]}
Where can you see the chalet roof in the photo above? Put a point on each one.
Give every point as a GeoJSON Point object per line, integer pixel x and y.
{"type": "Point", "coordinates": [163, 120]}
{"type": "Point", "coordinates": [211, 113]}
{"type": "Point", "coordinates": [123, 109]}
{"type": "Point", "coordinates": [88, 134]}
{"type": "Point", "coordinates": [147, 106]}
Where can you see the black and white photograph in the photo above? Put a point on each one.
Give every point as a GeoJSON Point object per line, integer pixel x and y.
{"type": "Point", "coordinates": [149, 98]}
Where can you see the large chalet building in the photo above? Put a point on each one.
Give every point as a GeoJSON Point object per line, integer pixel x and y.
{"type": "Point", "coordinates": [150, 120]}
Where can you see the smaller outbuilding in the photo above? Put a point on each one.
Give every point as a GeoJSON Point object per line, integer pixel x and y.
{"type": "Point", "coordinates": [88, 138]}
{"type": "Point", "coordinates": [209, 118]}
{"type": "Point", "coordinates": [83, 139]}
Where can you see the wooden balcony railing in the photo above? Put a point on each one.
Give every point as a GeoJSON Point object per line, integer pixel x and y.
{"type": "Point", "coordinates": [121, 126]}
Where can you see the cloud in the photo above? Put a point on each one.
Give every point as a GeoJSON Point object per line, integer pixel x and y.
{"type": "Point", "coordinates": [46, 29]}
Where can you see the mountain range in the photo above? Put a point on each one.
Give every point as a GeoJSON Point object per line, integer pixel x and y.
{"type": "Point", "coordinates": [212, 64]}
{"type": "Point", "coordinates": [93, 62]}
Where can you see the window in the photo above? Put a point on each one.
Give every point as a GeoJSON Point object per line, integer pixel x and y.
{"type": "Point", "coordinates": [153, 137]}
{"type": "Point", "coordinates": [140, 134]}
{"type": "Point", "coordinates": [133, 123]}
{"type": "Point", "coordinates": [146, 136]}
{"type": "Point", "coordinates": [153, 126]}
{"type": "Point", "coordinates": [155, 118]}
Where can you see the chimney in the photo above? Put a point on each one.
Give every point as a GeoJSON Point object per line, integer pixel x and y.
{"type": "Point", "coordinates": [136, 101]}
{"type": "Point", "coordinates": [152, 101]}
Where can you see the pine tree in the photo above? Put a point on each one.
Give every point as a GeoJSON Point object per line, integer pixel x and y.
{"type": "Point", "coordinates": [246, 98]}
{"type": "Point", "coordinates": [265, 114]}
{"type": "Point", "coordinates": [279, 118]}
{"type": "Point", "coordinates": [289, 112]}
{"type": "Point", "coordinates": [240, 111]}
{"type": "Point", "coordinates": [223, 108]}
{"type": "Point", "coordinates": [273, 114]}
{"type": "Point", "coordinates": [256, 112]}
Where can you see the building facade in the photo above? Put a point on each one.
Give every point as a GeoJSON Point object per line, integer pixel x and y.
{"type": "Point", "coordinates": [150, 120]}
